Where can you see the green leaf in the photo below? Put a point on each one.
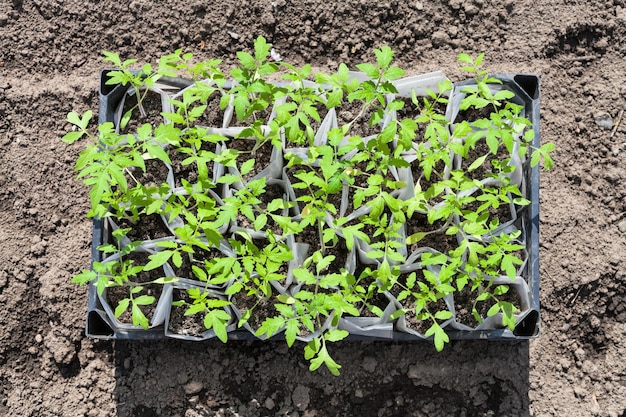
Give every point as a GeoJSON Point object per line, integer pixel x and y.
{"type": "Point", "coordinates": [477, 163]}
{"type": "Point", "coordinates": [370, 70]}
{"type": "Point", "coordinates": [139, 319]}
{"type": "Point", "coordinates": [72, 137]}
{"type": "Point", "coordinates": [335, 335]}
{"type": "Point", "coordinates": [144, 300]}
{"type": "Point", "coordinates": [84, 277]}
{"type": "Point", "coordinates": [493, 310]}
{"type": "Point", "coordinates": [443, 315]}
{"type": "Point", "coordinates": [247, 60]}
{"type": "Point", "coordinates": [261, 49]}
{"type": "Point", "coordinates": [441, 338]}
{"type": "Point", "coordinates": [394, 73]}
{"type": "Point", "coordinates": [384, 56]}
{"type": "Point", "coordinates": [415, 237]}
{"type": "Point", "coordinates": [247, 166]}
{"type": "Point", "coordinates": [122, 306]}
{"type": "Point", "coordinates": [158, 259]}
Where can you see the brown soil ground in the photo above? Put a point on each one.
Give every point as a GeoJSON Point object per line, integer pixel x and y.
{"type": "Point", "coordinates": [50, 58]}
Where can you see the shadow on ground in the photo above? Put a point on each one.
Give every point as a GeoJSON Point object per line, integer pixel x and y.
{"type": "Point", "coordinates": [469, 378]}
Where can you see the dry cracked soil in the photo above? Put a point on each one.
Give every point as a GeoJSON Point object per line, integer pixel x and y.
{"type": "Point", "coordinates": [50, 59]}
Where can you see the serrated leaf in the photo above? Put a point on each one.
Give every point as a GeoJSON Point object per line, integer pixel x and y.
{"type": "Point", "coordinates": [369, 70]}
{"type": "Point", "coordinates": [157, 260]}
{"type": "Point", "coordinates": [139, 319]}
{"type": "Point", "coordinates": [335, 335]}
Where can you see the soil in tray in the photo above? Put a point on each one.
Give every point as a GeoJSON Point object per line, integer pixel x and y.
{"type": "Point", "coordinates": [151, 104]}
{"type": "Point", "coordinates": [360, 182]}
{"type": "Point", "coordinates": [262, 115]}
{"type": "Point", "coordinates": [212, 116]}
{"type": "Point", "coordinates": [436, 240]}
{"type": "Point", "coordinates": [425, 183]}
{"type": "Point", "coordinates": [340, 251]}
{"type": "Point", "coordinates": [486, 169]}
{"type": "Point", "coordinates": [464, 301]}
{"type": "Point", "coordinates": [189, 172]}
{"type": "Point", "coordinates": [155, 175]}
{"type": "Point", "coordinates": [472, 114]}
{"type": "Point", "coordinates": [334, 199]}
{"type": "Point", "coordinates": [115, 294]}
{"type": "Point", "coordinates": [192, 325]}
{"type": "Point", "coordinates": [411, 111]}
{"type": "Point", "coordinates": [272, 192]}
{"type": "Point", "coordinates": [378, 300]}
{"type": "Point", "coordinates": [262, 155]}
{"type": "Point", "coordinates": [297, 138]}
{"type": "Point", "coordinates": [412, 322]}
{"type": "Point", "coordinates": [148, 227]}
{"type": "Point", "coordinates": [361, 126]}
{"type": "Point", "coordinates": [197, 259]}
{"type": "Point", "coordinates": [262, 308]}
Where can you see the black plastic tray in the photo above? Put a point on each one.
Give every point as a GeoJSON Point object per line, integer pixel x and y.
{"type": "Point", "coordinates": [525, 86]}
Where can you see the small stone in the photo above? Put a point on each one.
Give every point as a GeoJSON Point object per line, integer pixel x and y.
{"type": "Point", "coordinates": [127, 363]}
{"type": "Point", "coordinates": [604, 120]}
{"type": "Point", "coordinates": [269, 404]}
{"type": "Point", "coordinates": [192, 388]}
{"type": "Point", "coordinates": [300, 397]}
{"type": "Point", "coordinates": [439, 38]}
{"type": "Point", "coordinates": [580, 354]}
{"type": "Point", "coordinates": [579, 391]}
{"type": "Point", "coordinates": [622, 226]}
{"type": "Point", "coordinates": [419, 5]}
{"type": "Point", "coordinates": [358, 393]}
{"type": "Point", "coordinates": [182, 378]}
{"type": "Point", "coordinates": [38, 338]}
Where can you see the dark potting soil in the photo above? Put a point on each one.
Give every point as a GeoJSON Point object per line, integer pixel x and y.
{"type": "Point", "coordinates": [436, 175]}
{"type": "Point", "coordinates": [340, 251]}
{"type": "Point", "coordinates": [348, 112]}
{"type": "Point", "coordinates": [262, 155]}
{"type": "Point", "coordinates": [262, 308]}
{"type": "Point", "coordinates": [272, 192]}
{"type": "Point", "coordinates": [148, 227]}
{"type": "Point", "coordinates": [189, 172]}
{"type": "Point", "coordinates": [412, 322]}
{"type": "Point", "coordinates": [155, 174]}
{"type": "Point", "coordinates": [472, 114]}
{"type": "Point", "coordinates": [197, 258]}
{"type": "Point", "coordinates": [115, 294]}
{"type": "Point", "coordinates": [486, 169]}
{"type": "Point", "coordinates": [151, 104]}
{"type": "Point", "coordinates": [192, 325]}
{"type": "Point", "coordinates": [436, 240]}
{"type": "Point", "coordinates": [297, 138]}
{"type": "Point", "coordinates": [411, 111]}
{"type": "Point", "coordinates": [464, 301]}
{"type": "Point", "coordinates": [334, 199]}
{"type": "Point", "coordinates": [262, 115]}
{"type": "Point", "coordinates": [212, 116]}
{"type": "Point", "coordinates": [360, 182]}
{"type": "Point", "coordinates": [378, 300]}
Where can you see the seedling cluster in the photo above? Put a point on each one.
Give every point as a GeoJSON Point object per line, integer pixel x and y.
{"type": "Point", "coordinates": [293, 215]}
